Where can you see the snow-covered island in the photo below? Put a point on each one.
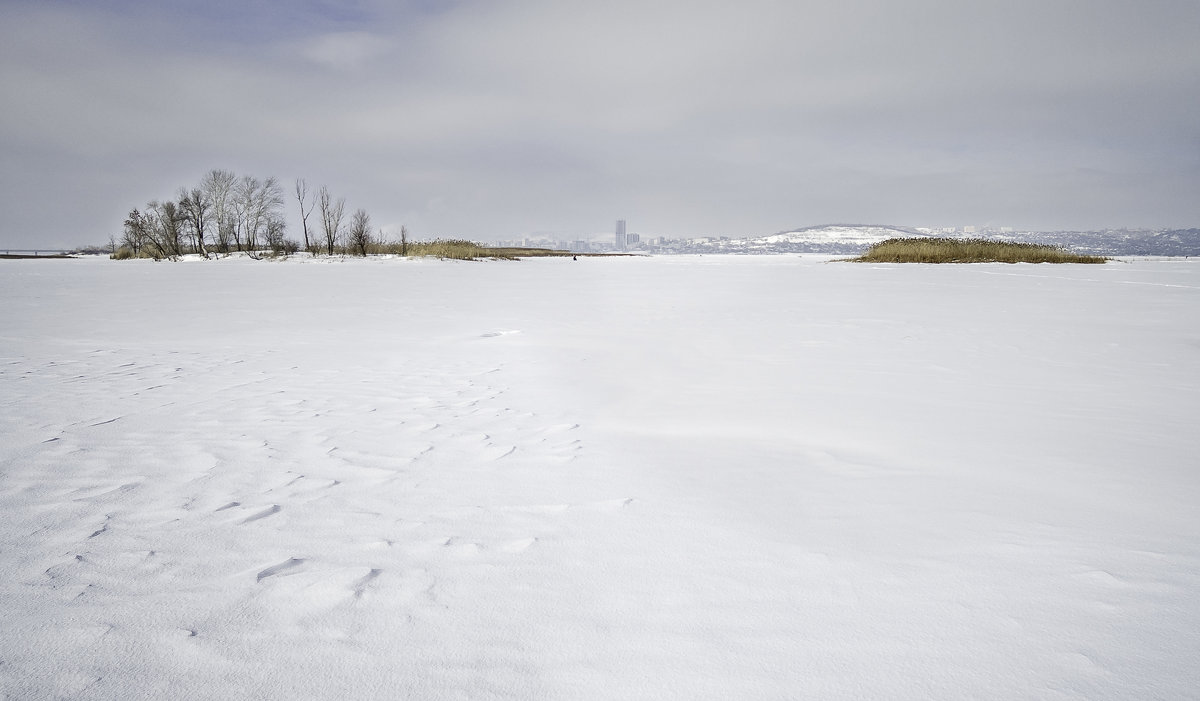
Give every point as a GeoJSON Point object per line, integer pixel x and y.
{"type": "Point", "coordinates": [668, 477]}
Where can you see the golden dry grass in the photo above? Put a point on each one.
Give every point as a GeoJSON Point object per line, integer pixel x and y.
{"type": "Point", "coordinates": [459, 249]}
{"type": "Point", "coordinates": [943, 250]}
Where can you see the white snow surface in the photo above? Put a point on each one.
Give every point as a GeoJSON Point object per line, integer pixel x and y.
{"type": "Point", "coordinates": [707, 477]}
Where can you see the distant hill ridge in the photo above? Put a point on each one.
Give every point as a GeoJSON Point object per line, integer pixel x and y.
{"type": "Point", "coordinates": [849, 233]}
{"type": "Point", "coordinates": [820, 238]}
{"type": "Point", "coordinates": [890, 227]}
{"type": "Point", "coordinates": [855, 238]}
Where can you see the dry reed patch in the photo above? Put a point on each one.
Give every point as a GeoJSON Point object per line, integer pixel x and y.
{"type": "Point", "coordinates": [943, 250]}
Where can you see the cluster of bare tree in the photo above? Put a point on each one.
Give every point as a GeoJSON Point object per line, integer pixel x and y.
{"type": "Point", "coordinates": [227, 213]}
{"type": "Point", "coordinates": [332, 215]}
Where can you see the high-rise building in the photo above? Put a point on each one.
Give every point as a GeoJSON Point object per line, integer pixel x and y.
{"type": "Point", "coordinates": [620, 235]}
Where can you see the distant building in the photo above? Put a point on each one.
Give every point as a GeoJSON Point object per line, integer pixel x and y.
{"type": "Point", "coordinates": [620, 242]}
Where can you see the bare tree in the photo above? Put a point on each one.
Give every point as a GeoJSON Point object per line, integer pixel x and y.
{"type": "Point", "coordinates": [195, 205]}
{"type": "Point", "coordinates": [403, 240]}
{"type": "Point", "coordinates": [360, 231]}
{"type": "Point", "coordinates": [257, 202]}
{"type": "Point", "coordinates": [237, 210]}
{"type": "Point", "coordinates": [245, 192]}
{"type": "Point", "coordinates": [276, 231]}
{"type": "Point", "coordinates": [306, 207]}
{"type": "Point", "coordinates": [218, 186]}
{"type": "Point", "coordinates": [331, 217]}
{"type": "Point", "coordinates": [268, 204]}
{"type": "Point", "coordinates": [136, 231]}
{"type": "Point", "coordinates": [165, 229]}
{"type": "Point", "coordinates": [225, 231]}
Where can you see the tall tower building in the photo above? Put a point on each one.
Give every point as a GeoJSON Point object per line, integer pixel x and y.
{"type": "Point", "coordinates": [620, 235]}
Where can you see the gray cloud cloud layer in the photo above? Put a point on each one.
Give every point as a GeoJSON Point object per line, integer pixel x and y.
{"type": "Point", "coordinates": [494, 119]}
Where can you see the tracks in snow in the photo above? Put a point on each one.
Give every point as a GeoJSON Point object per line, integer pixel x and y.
{"type": "Point", "coordinates": [212, 489]}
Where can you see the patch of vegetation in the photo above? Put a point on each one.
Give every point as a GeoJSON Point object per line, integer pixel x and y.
{"type": "Point", "coordinates": [945, 250]}
{"type": "Point", "coordinates": [512, 253]}
{"type": "Point", "coordinates": [454, 249]}
{"type": "Point", "coordinates": [126, 253]}
{"type": "Point", "coordinates": [227, 215]}
{"type": "Point", "coordinates": [461, 249]}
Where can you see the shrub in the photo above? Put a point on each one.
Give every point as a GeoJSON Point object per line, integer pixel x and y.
{"type": "Point", "coordinates": [457, 249]}
{"type": "Point", "coordinates": [285, 247]}
{"type": "Point", "coordinates": [944, 250]}
{"type": "Point", "coordinates": [126, 253]}
{"type": "Point", "coordinates": [514, 253]}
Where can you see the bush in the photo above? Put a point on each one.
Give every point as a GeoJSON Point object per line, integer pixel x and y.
{"type": "Point", "coordinates": [514, 253]}
{"type": "Point", "coordinates": [456, 249]}
{"type": "Point", "coordinates": [285, 247]}
{"type": "Point", "coordinates": [126, 253]}
{"type": "Point", "coordinates": [944, 250]}
{"type": "Point", "coordinates": [469, 250]}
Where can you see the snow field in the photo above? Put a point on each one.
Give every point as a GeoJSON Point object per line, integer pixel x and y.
{"type": "Point", "coordinates": [691, 477]}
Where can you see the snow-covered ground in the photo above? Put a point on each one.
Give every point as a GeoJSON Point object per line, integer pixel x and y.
{"type": "Point", "coordinates": [678, 477]}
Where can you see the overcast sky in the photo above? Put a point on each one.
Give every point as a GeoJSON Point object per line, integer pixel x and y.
{"type": "Point", "coordinates": [488, 119]}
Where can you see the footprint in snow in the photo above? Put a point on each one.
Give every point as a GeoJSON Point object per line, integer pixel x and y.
{"type": "Point", "coordinates": [274, 509]}
{"type": "Point", "coordinates": [611, 505]}
{"type": "Point", "coordinates": [289, 564]}
{"type": "Point", "coordinates": [360, 587]}
{"type": "Point", "coordinates": [517, 546]}
{"type": "Point", "coordinates": [461, 548]}
{"type": "Point", "coordinates": [496, 452]}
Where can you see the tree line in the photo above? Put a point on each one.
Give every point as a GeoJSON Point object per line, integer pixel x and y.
{"type": "Point", "coordinates": [227, 213]}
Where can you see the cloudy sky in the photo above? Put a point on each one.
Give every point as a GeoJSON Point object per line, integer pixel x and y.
{"type": "Point", "coordinates": [490, 119]}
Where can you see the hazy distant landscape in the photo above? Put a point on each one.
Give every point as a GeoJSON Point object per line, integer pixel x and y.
{"type": "Point", "coordinates": [854, 239]}
{"type": "Point", "coordinates": [843, 239]}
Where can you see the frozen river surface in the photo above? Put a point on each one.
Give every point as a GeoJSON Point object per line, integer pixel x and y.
{"type": "Point", "coordinates": [669, 478]}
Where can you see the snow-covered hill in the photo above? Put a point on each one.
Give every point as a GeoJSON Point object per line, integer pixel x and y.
{"type": "Point", "coordinates": [825, 238]}
{"type": "Point", "coordinates": [840, 234]}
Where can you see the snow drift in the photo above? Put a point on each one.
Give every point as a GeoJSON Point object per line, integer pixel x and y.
{"type": "Point", "coordinates": [685, 477]}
